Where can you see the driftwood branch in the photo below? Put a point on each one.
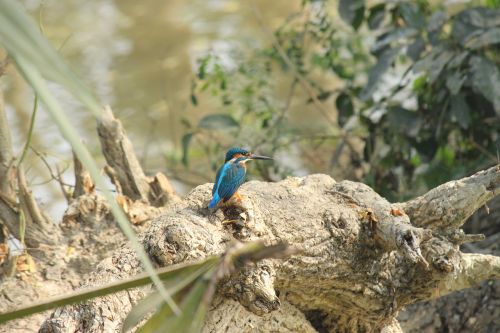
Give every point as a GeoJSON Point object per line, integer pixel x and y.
{"type": "Point", "coordinates": [7, 175]}
{"type": "Point", "coordinates": [39, 228]}
{"type": "Point", "coordinates": [125, 167]}
{"type": "Point", "coordinates": [471, 269]}
{"type": "Point", "coordinates": [359, 258]}
{"type": "Point", "coordinates": [120, 156]}
{"type": "Point", "coordinates": [83, 182]}
{"type": "Point", "coordinates": [448, 206]}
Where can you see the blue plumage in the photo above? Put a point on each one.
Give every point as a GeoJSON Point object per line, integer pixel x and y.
{"type": "Point", "coordinates": [231, 175]}
{"type": "Point", "coordinates": [236, 152]}
{"type": "Point", "coordinates": [229, 178]}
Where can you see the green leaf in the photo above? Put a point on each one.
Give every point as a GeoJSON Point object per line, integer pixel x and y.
{"type": "Point", "coordinates": [385, 60]}
{"type": "Point", "coordinates": [480, 17]}
{"type": "Point", "coordinates": [419, 83]}
{"type": "Point", "coordinates": [345, 108]}
{"type": "Point", "coordinates": [359, 15]}
{"type": "Point", "coordinates": [194, 307]}
{"type": "Point", "coordinates": [197, 287]}
{"type": "Point", "coordinates": [174, 283]}
{"type": "Point", "coordinates": [434, 62]}
{"type": "Point", "coordinates": [168, 273]}
{"type": "Point", "coordinates": [395, 35]}
{"type": "Point", "coordinates": [404, 121]}
{"type": "Point", "coordinates": [153, 324]}
{"type": "Point", "coordinates": [483, 38]}
{"type": "Point", "coordinates": [412, 15]}
{"type": "Point", "coordinates": [376, 17]}
{"type": "Point", "coordinates": [416, 48]}
{"type": "Point", "coordinates": [454, 82]}
{"type": "Point", "coordinates": [458, 60]}
{"type": "Point", "coordinates": [217, 121]}
{"type": "Point", "coordinates": [186, 122]}
{"type": "Point", "coordinates": [438, 63]}
{"type": "Point", "coordinates": [436, 22]}
{"type": "Point", "coordinates": [194, 99]}
{"type": "Point", "coordinates": [186, 141]}
{"type": "Point", "coordinates": [36, 58]}
{"type": "Point", "coordinates": [471, 23]}
{"type": "Point", "coordinates": [460, 110]}
{"type": "Point", "coordinates": [425, 62]}
{"type": "Point", "coordinates": [352, 12]}
{"type": "Point", "coordinates": [486, 80]}
{"type": "Point", "coordinates": [202, 69]}
{"type": "Point", "coordinates": [493, 3]}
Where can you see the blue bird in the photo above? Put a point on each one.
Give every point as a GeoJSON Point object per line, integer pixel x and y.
{"type": "Point", "coordinates": [231, 175]}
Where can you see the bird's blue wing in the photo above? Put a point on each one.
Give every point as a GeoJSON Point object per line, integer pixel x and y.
{"type": "Point", "coordinates": [217, 179]}
{"type": "Point", "coordinates": [231, 180]}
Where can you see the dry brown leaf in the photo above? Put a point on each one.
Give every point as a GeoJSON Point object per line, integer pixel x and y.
{"type": "Point", "coordinates": [31, 264]}
{"type": "Point", "coordinates": [123, 201]}
{"type": "Point", "coordinates": [25, 263]}
{"type": "Point", "coordinates": [4, 252]}
{"type": "Point", "coordinates": [397, 212]}
{"type": "Point", "coordinates": [70, 250]}
{"type": "Point", "coordinates": [88, 184]}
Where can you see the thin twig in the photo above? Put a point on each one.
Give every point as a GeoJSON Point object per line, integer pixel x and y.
{"type": "Point", "coordinates": [65, 193]}
{"type": "Point", "coordinates": [491, 156]}
{"type": "Point", "coordinates": [303, 82]}
{"type": "Point", "coordinates": [30, 131]}
{"type": "Point", "coordinates": [49, 168]}
{"type": "Point", "coordinates": [3, 65]}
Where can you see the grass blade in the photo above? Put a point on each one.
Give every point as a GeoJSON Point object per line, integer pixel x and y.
{"type": "Point", "coordinates": [194, 307]}
{"type": "Point", "coordinates": [193, 310]}
{"type": "Point", "coordinates": [173, 284]}
{"type": "Point", "coordinates": [21, 37]}
{"type": "Point", "coordinates": [169, 274]}
{"type": "Point", "coordinates": [36, 58]}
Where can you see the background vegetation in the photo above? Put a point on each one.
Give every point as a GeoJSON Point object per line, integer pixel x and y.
{"type": "Point", "coordinates": [414, 103]}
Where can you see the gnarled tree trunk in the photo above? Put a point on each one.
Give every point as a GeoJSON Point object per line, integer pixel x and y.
{"type": "Point", "coordinates": [360, 258]}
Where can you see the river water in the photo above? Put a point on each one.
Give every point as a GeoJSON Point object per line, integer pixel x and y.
{"type": "Point", "coordinates": [139, 57]}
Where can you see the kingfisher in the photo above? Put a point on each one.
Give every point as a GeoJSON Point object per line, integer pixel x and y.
{"type": "Point", "coordinates": [231, 175]}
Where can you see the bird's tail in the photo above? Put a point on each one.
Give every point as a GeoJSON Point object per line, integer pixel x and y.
{"type": "Point", "coordinates": [214, 202]}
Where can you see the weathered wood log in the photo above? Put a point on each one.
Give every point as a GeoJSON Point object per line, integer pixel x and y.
{"type": "Point", "coordinates": [448, 206]}
{"type": "Point", "coordinates": [16, 196]}
{"type": "Point", "coordinates": [360, 258]}
{"type": "Point", "coordinates": [123, 165]}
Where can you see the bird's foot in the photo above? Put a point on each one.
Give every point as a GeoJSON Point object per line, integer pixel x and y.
{"type": "Point", "coordinates": [238, 222]}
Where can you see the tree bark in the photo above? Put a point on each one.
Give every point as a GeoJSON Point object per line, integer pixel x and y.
{"type": "Point", "coordinates": [470, 310]}
{"type": "Point", "coordinates": [124, 167]}
{"type": "Point", "coordinates": [360, 258]}
{"type": "Point", "coordinates": [39, 228]}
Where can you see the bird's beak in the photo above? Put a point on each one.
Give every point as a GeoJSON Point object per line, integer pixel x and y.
{"type": "Point", "coordinates": [258, 157]}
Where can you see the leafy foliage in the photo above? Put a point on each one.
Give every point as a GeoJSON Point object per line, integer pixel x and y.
{"type": "Point", "coordinates": [418, 86]}
{"type": "Point", "coordinates": [454, 62]}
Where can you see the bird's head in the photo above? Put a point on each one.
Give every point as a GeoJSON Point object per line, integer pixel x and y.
{"type": "Point", "coordinates": [243, 155]}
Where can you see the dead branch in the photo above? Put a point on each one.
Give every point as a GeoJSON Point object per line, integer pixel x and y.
{"type": "Point", "coordinates": [7, 175]}
{"type": "Point", "coordinates": [39, 227]}
{"type": "Point", "coordinates": [121, 158]}
{"type": "Point", "coordinates": [83, 181]}
{"type": "Point", "coordinates": [471, 269]}
{"type": "Point", "coordinates": [120, 155]}
{"type": "Point", "coordinates": [448, 206]}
